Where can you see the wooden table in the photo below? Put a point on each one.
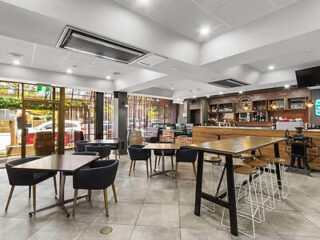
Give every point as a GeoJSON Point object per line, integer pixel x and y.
{"type": "Point", "coordinates": [229, 148]}
{"type": "Point", "coordinates": [162, 147]}
{"type": "Point", "coordinates": [61, 163]}
{"type": "Point", "coordinates": [104, 141]}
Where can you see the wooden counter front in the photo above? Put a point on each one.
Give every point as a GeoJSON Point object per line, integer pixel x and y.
{"type": "Point", "coordinates": [204, 134]}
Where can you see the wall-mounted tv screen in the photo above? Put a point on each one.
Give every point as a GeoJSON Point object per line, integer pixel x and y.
{"type": "Point", "coordinates": [308, 77]}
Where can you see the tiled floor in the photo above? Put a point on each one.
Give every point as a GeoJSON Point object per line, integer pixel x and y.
{"type": "Point", "coordinates": [158, 208]}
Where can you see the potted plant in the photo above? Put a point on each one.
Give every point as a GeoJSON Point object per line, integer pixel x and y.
{"type": "Point", "coordinates": [168, 125]}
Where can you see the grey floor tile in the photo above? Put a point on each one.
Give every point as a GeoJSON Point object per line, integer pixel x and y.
{"type": "Point", "coordinates": [199, 234]}
{"type": "Point", "coordinates": [159, 215]}
{"type": "Point", "coordinates": [155, 233]}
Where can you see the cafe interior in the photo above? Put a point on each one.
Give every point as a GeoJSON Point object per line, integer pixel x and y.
{"type": "Point", "coordinates": [160, 119]}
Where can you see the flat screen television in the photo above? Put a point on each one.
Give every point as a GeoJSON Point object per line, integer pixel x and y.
{"type": "Point", "coordinates": [308, 77]}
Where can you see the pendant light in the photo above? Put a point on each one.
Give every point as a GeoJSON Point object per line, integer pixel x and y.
{"type": "Point", "coordinates": [246, 106]}
{"type": "Point", "coordinates": [274, 106]}
{"type": "Point", "coordinates": [309, 103]}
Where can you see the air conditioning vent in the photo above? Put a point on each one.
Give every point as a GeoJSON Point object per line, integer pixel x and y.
{"type": "Point", "coordinates": [151, 60]}
{"type": "Point", "coordinates": [229, 83]}
{"type": "Point", "coordinates": [88, 43]}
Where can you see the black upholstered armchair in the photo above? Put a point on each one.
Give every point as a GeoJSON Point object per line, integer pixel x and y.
{"type": "Point", "coordinates": [137, 153]}
{"type": "Point", "coordinates": [103, 150]}
{"type": "Point", "coordinates": [86, 153]}
{"type": "Point", "coordinates": [80, 145]}
{"type": "Point", "coordinates": [26, 177]}
{"type": "Point", "coordinates": [186, 155]}
{"type": "Point", "coordinates": [99, 176]}
{"type": "Point", "coordinates": [167, 153]}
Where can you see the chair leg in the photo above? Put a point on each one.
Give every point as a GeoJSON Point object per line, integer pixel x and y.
{"type": "Point", "coordinates": [172, 162]}
{"type": "Point", "coordinates": [89, 194]}
{"type": "Point", "coordinates": [130, 167]}
{"type": "Point", "coordinates": [150, 165]}
{"type": "Point", "coordinates": [30, 191]}
{"type": "Point", "coordinates": [147, 166]}
{"type": "Point", "coordinates": [10, 196]}
{"type": "Point", "coordinates": [134, 165]}
{"type": "Point", "coordinates": [34, 190]}
{"type": "Point", "coordinates": [118, 152]}
{"type": "Point", "coordinates": [75, 202]}
{"type": "Point", "coordinates": [55, 185]}
{"type": "Point", "coordinates": [176, 170]}
{"type": "Point", "coordinates": [105, 194]}
{"type": "Point", "coordinates": [194, 169]}
{"type": "Point", "coordinates": [114, 192]}
{"type": "Point", "coordinates": [159, 159]}
{"type": "Point", "coordinates": [155, 162]}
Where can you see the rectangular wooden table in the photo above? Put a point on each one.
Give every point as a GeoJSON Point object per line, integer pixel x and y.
{"type": "Point", "coordinates": [229, 148]}
{"type": "Point", "coordinates": [162, 147]}
{"type": "Point", "coordinates": [62, 163]}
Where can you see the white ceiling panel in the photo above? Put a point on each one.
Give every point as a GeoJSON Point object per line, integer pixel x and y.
{"type": "Point", "coordinates": [25, 49]}
{"type": "Point", "coordinates": [48, 58]}
{"type": "Point", "coordinates": [186, 17]}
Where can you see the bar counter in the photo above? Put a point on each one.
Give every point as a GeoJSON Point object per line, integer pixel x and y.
{"type": "Point", "coordinates": [210, 133]}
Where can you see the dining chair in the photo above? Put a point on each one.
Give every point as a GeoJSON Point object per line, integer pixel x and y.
{"type": "Point", "coordinates": [186, 155]}
{"type": "Point", "coordinates": [80, 145]}
{"type": "Point", "coordinates": [137, 153]}
{"type": "Point", "coordinates": [103, 150]}
{"type": "Point", "coordinates": [26, 177]}
{"type": "Point", "coordinates": [99, 176]}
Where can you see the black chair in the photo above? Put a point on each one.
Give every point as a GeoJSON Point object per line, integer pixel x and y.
{"type": "Point", "coordinates": [99, 176]}
{"type": "Point", "coordinates": [115, 147]}
{"type": "Point", "coordinates": [137, 153]}
{"type": "Point", "coordinates": [186, 155]}
{"type": "Point", "coordinates": [103, 150]}
{"type": "Point", "coordinates": [80, 146]}
{"type": "Point", "coordinates": [26, 177]}
{"type": "Point", "coordinates": [167, 153]}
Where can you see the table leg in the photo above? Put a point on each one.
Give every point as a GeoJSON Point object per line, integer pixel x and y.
{"type": "Point", "coordinates": [197, 205]}
{"type": "Point", "coordinates": [61, 187]}
{"type": "Point", "coordinates": [163, 161]}
{"type": "Point", "coordinates": [231, 196]}
{"type": "Point", "coordinates": [277, 155]}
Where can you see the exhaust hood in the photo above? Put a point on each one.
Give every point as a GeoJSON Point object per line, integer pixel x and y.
{"type": "Point", "coordinates": [88, 43]}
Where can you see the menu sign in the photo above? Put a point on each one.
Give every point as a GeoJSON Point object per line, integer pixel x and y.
{"type": "Point", "coordinates": [317, 107]}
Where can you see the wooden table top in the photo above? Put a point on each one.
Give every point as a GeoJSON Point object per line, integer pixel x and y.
{"type": "Point", "coordinates": [104, 141]}
{"type": "Point", "coordinates": [162, 146]}
{"type": "Point", "coordinates": [58, 162]}
{"type": "Point", "coordinates": [236, 145]}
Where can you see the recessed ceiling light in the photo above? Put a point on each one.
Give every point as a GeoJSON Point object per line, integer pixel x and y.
{"type": "Point", "coordinates": [204, 31]}
{"type": "Point", "coordinates": [172, 88]}
{"type": "Point", "coordinates": [143, 2]}
{"type": "Point", "coordinates": [240, 92]}
{"type": "Point", "coordinates": [194, 96]}
{"type": "Point", "coordinates": [220, 92]}
{"type": "Point", "coordinates": [16, 62]}
{"type": "Point", "coordinates": [69, 71]}
{"type": "Point", "coordinates": [271, 67]}
{"type": "Point", "coordinates": [286, 86]}
{"type": "Point", "coordinates": [178, 99]}
{"type": "Point", "coordinates": [208, 96]}
{"type": "Point", "coordinates": [108, 77]}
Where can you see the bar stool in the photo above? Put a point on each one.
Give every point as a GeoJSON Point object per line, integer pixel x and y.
{"type": "Point", "coordinates": [246, 189]}
{"type": "Point", "coordinates": [285, 186]}
{"type": "Point", "coordinates": [263, 184]}
{"type": "Point", "coordinates": [215, 162]}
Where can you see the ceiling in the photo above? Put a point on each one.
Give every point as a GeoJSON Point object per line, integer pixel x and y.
{"type": "Point", "coordinates": [186, 17]}
{"type": "Point", "coordinates": [247, 37]}
{"type": "Point", "coordinates": [59, 60]}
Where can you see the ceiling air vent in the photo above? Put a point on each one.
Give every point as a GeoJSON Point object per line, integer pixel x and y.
{"type": "Point", "coordinates": [228, 83]}
{"type": "Point", "coordinates": [151, 60]}
{"type": "Point", "coordinates": [88, 43]}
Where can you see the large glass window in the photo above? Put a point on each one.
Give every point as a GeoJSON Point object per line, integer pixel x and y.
{"type": "Point", "coordinates": [145, 112]}
{"type": "Point", "coordinates": [108, 115]}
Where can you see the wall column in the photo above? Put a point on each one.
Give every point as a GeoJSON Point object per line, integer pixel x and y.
{"type": "Point", "coordinates": [61, 121]}
{"type": "Point", "coordinates": [121, 119]}
{"type": "Point", "coordinates": [98, 115]}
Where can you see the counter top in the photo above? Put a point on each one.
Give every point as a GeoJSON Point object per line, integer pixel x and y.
{"type": "Point", "coordinates": [254, 128]}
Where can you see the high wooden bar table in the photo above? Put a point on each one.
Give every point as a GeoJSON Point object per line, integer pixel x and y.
{"type": "Point", "coordinates": [229, 148]}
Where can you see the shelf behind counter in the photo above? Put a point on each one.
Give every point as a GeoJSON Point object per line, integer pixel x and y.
{"type": "Point", "coordinates": [209, 133]}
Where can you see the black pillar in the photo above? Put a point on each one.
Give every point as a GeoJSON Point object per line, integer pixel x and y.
{"type": "Point", "coordinates": [121, 119]}
{"type": "Point", "coordinates": [99, 97]}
